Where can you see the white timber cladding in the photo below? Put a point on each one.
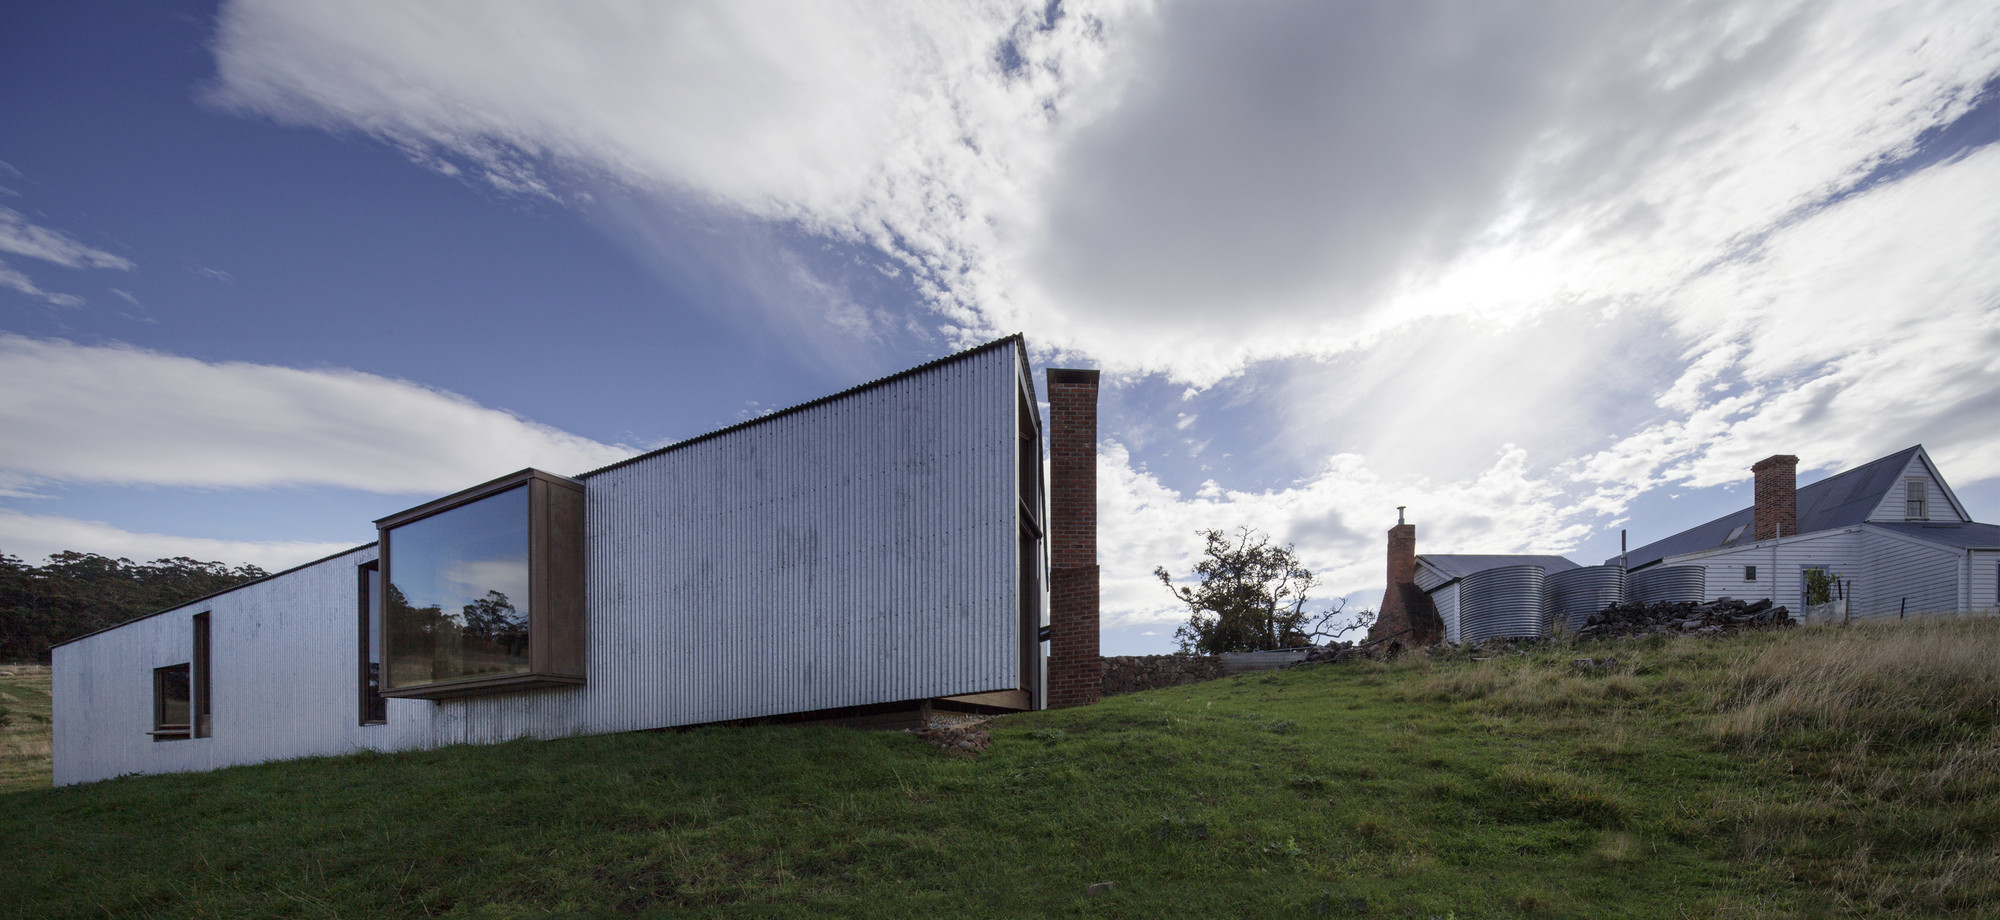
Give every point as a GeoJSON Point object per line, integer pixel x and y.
{"type": "Point", "coordinates": [859, 551]}
{"type": "Point", "coordinates": [1983, 588]}
{"type": "Point", "coordinates": [1445, 599]}
{"type": "Point", "coordinates": [1938, 506]}
{"type": "Point", "coordinates": [1909, 575]}
{"type": "Point", "coordinates": [1781, 566]}
{"type": "Point", "coordinates": [285, 674]}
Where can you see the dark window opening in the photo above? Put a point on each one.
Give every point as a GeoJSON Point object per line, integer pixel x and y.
{"type": "Point", "coordinates": [1916, 495]}
{"type": "Point", "coordinates": [200, 701]}
{"type": "Point", "coordinates": [1749, 573]}
{"type": "Point", "coordinates": [171, 697]}
{"type": "Point", "coordinates": [374, 708]}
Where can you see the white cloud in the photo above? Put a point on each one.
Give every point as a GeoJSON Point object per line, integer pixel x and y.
{"type": "Point", "coordinates": [22, 238]}
{"type": "Point", "coordinates": [115, 414]}
{"type": "Point", "coordinates": [11, 277]}
{"type": "Point", "coordinates": [33, 537]}
{"type": "Point", "coordinates": [1337, 518]}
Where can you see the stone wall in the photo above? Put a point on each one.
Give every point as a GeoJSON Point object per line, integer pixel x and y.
{"type": "Point", "coordinates": [1133, 673]}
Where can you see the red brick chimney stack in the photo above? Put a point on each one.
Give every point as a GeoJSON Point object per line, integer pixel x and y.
{"type": "Point", "coordinates": [1777, 487]}
{"type": "Point", "coordinates": [1406, 615]}
{"type": "Point", "coordinates": [1076, 677]}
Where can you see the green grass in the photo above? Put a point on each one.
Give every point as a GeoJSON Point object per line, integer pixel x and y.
{"type": "Point", "coordinates": [1518, 787]}
{"type": "Point", "coordinates": [24, 727]}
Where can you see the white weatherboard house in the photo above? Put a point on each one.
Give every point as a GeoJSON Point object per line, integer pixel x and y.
{"type": "Point", "coordinates": [864, 555]}
{"type": "Point", "coordinates": [1890, 531]}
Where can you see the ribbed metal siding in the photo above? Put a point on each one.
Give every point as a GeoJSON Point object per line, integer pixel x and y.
{"type": "Point", "coordinates": [1669, 584]}
{"type": "Point", "coordinates": [1571, 596]}
{"type": "Point", "coordinates": [285, 682]}
{"type": "Point", "coordinates": [860, 551]}
{"type": "Point", "coordinates": [854, 552]}
{"type": "Point", "coordinates": [1501, 603]}
{"type": "Point", "coordinates": [1445, 599]}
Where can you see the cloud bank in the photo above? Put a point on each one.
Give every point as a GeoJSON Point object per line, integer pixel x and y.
{"type": "Point", "coordinates": [1618, 248]}
{"type": "Point", "coordinates": [122, 415]}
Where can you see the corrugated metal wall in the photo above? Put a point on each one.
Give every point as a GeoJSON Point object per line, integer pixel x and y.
{"type": "Point", "coordinates": [285, 665]}
{"type": "Point", "coordinates": [1906, 575]}
{"type": "Point", "coordinates": [1446, 601]}
{"type": "Point", "coordinates": [1502, 603]}
{"type": "Point", "coordinates": [858, 551]}
{"type": "Point", "coordinates": [1984, 581]}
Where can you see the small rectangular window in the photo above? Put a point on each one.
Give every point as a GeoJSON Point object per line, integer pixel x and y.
{"type": "Point", "coordinates": [1916, 494]}
{"type": "Point", "coordinates": [170, 703]}
{"type": "Point", "coordinates": [201, 700]}
{"type": "Point", "coordinates": [1749, 573]}
{"type": "Point", "coordinates": [374, 709]}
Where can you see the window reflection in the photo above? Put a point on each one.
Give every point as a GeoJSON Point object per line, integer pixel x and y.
{"type": "Point", "coordinates": [457, 598]}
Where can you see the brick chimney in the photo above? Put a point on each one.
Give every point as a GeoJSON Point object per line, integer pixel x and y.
{"type": "Point", "coordinates": [1777, 488]}
{"type": "Point", "coordinates": [1076, 677]}
{"type": "Point", "coordinates": [1407, 614]}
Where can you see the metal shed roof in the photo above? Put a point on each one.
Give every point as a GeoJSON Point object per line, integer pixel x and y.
{"type": "Point", "coordinates": [1841, 500]}
{"type": "Point", "coordinates": [1447, 568]}
{"type": "Point", "coordinates": [1954, 535]}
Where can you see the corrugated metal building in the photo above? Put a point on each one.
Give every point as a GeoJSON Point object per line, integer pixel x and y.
{"type": "Point", "coordinates": [873, 551]}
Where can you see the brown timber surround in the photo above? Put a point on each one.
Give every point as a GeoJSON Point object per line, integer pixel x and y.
{"type": "Point", "coordinates": [1075, 675]}
{"type": "Point", "coordinates": [556, 602]}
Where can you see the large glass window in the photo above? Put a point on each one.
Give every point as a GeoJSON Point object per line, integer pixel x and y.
{"type": "Point", "coordinates": [458, 593]}
{"type": "Point", "coordinates": [482, 591]}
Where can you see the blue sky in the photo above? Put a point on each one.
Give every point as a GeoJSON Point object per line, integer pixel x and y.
{"type": "Point", "coordinates": [269, 271]}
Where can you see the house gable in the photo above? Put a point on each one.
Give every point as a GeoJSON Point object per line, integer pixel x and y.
{"type": "Point", "coordinates": [1938, 502]}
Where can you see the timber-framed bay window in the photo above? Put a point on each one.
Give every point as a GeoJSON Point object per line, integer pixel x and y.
{"type": "Point", "coordinates": [482, 591]}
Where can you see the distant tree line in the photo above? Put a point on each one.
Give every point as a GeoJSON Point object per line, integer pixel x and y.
{"type": "Point", "coordinates": [78, 593]}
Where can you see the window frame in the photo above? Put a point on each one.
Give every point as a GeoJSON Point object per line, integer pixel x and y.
{"type": "Point", "coordinates": [1917, 508]}
{"type": "Point", "coordinates": [556, 608]}
{"type": "Point", "coordinates": [201, 708]}
{"type": "Point", "coordinates": [1749, 573]}
{"type": "Point", "coordinates": [369, 701]}
{"type": "Point", "coordinates": [162, 729]}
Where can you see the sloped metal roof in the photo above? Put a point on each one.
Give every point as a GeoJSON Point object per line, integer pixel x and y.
{"type": "Point", "coordinates": [1458, 566]}
{"type": "Point", "coordinates": [1841, 500]}
{"type": "Point", "coordinates": [1954, 535]}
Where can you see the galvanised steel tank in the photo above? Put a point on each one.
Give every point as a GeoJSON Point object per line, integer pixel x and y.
{"type": "Point", "coordinates": [1502, 603]}
{"type": "Point", "coordinates": [1570, 597]}
{"type": "Point", "coordinates": [1668, 584]}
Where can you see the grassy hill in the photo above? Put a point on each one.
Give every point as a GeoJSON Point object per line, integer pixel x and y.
{"type": "Point", "coordinates": [1817, 772]}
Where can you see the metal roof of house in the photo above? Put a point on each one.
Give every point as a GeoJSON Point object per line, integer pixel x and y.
{"type": "Point", "coordinates": [1459, 566]}
{"type": "Point", "coordinates": [1841, 500]}
{"type": "Point", "coordinates": [1952, 534]}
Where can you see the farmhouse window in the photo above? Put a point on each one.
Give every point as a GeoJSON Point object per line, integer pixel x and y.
{"type": "Point", "coordinates": [482, 591]}
{"type": "Point", "coordinates": [1749, 573]}
{"type": "Point", "coordinates": [200, 699]}
{"type": "Point", "coordinates": [1916, 495]}
{"type": "Point", "coordinates": [374, 708]}
{"type": "Point", "coordinates": [171, 688]}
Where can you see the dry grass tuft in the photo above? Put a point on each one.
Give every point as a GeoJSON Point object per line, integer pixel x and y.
{"type": "Point", "coordinates": [1931, 679]}
{"type": "Point", "coordinates": [25, 739]}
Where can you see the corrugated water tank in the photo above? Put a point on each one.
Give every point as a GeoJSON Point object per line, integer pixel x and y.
{"type": "Point", "coordinates": [1671, 584]}
{"type": "Point", "coordinates": [1501, 603]}
{"type": "Point", "coordinates": [1570, 597]}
